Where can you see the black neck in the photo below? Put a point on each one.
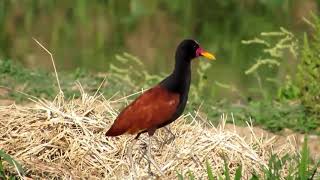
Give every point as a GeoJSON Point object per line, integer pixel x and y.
{"type": "Point", "coordinates": [182, 68]}
{"type": "Point", "coordinates": [179, 80]}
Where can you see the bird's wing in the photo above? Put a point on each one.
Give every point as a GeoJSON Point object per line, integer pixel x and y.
{"type": "Point", "coordinates": [149, 110]}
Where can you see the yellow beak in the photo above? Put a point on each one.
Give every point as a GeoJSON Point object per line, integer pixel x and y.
{"type": "Point", "coordinates": [207, 55]}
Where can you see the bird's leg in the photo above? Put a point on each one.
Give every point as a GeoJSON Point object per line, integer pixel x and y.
{"type": "Point", "coordinates": [133, 167]}
{"type": "Point", "coordinates": [150, 159]}
{"type": "Point", "coordinates": [159, 142]}
{"type": "Point", "coordinates": [133, 142]}
{"type": "Point", "coordinates": [169, 140]}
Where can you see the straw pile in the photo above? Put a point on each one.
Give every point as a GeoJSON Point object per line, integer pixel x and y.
{"type": "Point", "coordinates": [65, 139]}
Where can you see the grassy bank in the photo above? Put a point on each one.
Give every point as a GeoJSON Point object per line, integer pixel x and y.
{"type": "Point", "coordinates": [273, 115]}
{"type": "Point", "coordinates": [116, 84]}
{"type": "Point", "coordinates": [90, 102]}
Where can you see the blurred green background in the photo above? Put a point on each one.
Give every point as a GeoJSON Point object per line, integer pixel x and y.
{"type": "Point", "coordinates": [88, 34]}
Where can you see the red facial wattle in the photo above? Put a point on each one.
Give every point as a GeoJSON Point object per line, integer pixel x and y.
{"type": "Point", "coordinates": [202, 52]}
{"type": "Point", "coordinates": [199, 51]}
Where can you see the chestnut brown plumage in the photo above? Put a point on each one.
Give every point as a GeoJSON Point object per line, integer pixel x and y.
{"type": "Point", "coordinates": [163, 103]}
{"type": "Point", "coordinates": [152, 109]}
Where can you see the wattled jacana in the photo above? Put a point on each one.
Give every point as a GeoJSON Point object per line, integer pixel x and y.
{"type": "Point", "coordinates": [164, 103]}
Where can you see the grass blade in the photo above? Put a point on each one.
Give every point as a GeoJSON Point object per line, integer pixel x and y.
{"type": "Point", "coordinates": [2, 175]}
{"type": "Point", "coordinates": [303, 165]}
{"type": "Point", "coordinates": [180, 177]}
{"type": "Point", "coordinates": [238, 173]}
{"type": "Point", "coordinates": [226, 170]}
{"type": "Point", "coordinates": [11, 161]}
{"type": "Point", "coordinates": [191, 176]}
{"type": "Point", "coordinates": [209, 171]}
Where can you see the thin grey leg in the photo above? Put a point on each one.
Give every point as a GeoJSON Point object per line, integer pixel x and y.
{"type": "Point", "coordinates": [150, 159]}
{"type": "Point", "coordinates": [132, 164]}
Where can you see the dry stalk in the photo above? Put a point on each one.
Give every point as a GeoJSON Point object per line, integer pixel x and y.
{"type": "Point", "coordinates": [60, 95]}
{"type": "Point", "coordinates": [70, 143]}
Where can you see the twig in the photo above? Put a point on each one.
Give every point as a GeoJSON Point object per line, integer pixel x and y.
{"type": "Point", "coordinates": [104, 79]}
{"type": "Point", "coordinates": [54, 66]}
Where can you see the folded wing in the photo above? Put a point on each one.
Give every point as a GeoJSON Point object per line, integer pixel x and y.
{"type": "Point", "coordinates": [151, 109]}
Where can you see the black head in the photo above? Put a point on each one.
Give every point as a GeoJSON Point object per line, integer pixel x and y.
{"type": "Point", "coordinates": [189, 49]}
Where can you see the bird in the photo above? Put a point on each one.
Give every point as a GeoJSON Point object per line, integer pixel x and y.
{"type": "Point", "coordinates": [163, 103]}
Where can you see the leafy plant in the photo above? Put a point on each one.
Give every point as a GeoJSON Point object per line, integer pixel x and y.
{"type": "Point", "coordinates": [274, 51]}
{"type": "Point", "coordinates": [299, 170]}
{"type": "Point", "coordinates": [299, 167]}
{"type": "Point", "coordinates": [309, 69]}
{"type": "Point", "coordinates": [288, 90]}
{"type": "Point", "coordinates": [131, 70]}
{"type": "Point", "coordinates": [276, 45]}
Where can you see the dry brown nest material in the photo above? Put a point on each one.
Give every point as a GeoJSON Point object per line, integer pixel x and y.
{"type": "Point", "coordinates": [65, 139]}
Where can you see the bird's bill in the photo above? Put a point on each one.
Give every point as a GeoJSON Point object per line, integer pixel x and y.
{"type": "Point", "coordinates": [207, 55]}
{"type": "Point", "coordinates": [201, 52]}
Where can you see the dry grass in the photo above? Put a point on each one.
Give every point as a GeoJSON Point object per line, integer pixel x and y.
{"type": "Point", "coordinates": [62, 139]}
{"type": "Point", "coordinates": [65, 139]}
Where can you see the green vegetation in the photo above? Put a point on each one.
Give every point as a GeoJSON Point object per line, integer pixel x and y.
{"type": "Point", "coordinates": [88, 34]}
{"type": "Point", "coordinates": [259, 91]}
{"type": "Point", "coordinates": [3, 170]}
{"type": "Point", "coordinates": [309, 70]}
{"type": "Point", "coordinates": [19, 79]}
{"type": "Point", "coordinates": [283, 110]}
{"type": "Point", "coordinates": [284, 88]}
{"type": "Point", "coordinates": [300, 167]}
{"type": "Point", "coordinates": [282, 107]}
